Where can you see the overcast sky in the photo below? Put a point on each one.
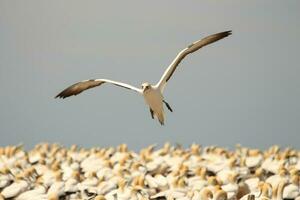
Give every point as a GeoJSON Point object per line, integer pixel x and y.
{"type": "Point", "coordinates": [243, 89]}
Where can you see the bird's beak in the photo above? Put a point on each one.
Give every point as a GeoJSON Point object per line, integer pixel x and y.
{"type": "Point", "coordinates": [145, 88]}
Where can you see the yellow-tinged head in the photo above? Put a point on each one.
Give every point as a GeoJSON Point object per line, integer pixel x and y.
{"type": "Point", "coordinates": [220, 195]}
{"type": "Point", "coordinates": [99, 197]}
{"type": "Point", "coordinates": [146, 86]}
{"type": "Point", "coordinates": [206, 194]}
{"type": "Point", "coordinates": [53, 196]}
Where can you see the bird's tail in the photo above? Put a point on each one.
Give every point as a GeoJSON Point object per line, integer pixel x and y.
{"type": "Point", "coordinates": [160, 117]}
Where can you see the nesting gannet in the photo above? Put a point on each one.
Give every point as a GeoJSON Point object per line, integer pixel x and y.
{"type": "Point", "coordinates": [232, 187]}
{"type": "Point", "coordinates": [204, 194]}
{"type": "Point", "coordinates": [6, 178]}
{"type": "Point", "coordinates": [38, 192]}
{"type": "Point", "coordinates": [199, 181]}
{"type": "Point", "coordinates": [277, 191]}
{"type": "Point", "coordinates": [16, 188]}
{"type": "Point", "coordinates": [291, 191]}
{"type": "Point", "coordinates": [158, 181]}
{"type": "Point", "coordinates": [153, 94]}
{"type": "Point", "coordinates": [220, 195]}
{"type": "Point", "coordinates": [72, 184]}
{"type": "Point", "coordinates": [263, 193]}
{"type": "Point", "coordinates": [281, 176]}
{"type": "Point", "coordinates": [56, 189]}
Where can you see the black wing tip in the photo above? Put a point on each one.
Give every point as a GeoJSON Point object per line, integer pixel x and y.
{"type": "Point", "coordinates": [225, 33]}
{"type": "Point", "coordinates": [59, 97]}
{"type": "Point", "coordinates": [219, 35]}
{"type": "Point", "coordinates": [62, 95]}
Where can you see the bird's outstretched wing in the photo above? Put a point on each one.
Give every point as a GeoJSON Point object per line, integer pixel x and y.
{"type": "Point", "coordinates": [87, 84]}
{"type": "Point", "coordinates": [190, 49]}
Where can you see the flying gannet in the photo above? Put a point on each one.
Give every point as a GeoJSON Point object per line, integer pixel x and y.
{"type": "Point", "coordinates": [153, 94]}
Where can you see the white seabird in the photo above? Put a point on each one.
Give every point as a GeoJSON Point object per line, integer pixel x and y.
{"type": "Point", "coordinates": [153, 94]}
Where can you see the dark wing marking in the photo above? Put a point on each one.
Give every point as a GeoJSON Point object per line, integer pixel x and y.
{"type": "Point", "coordinates": [151, 112]}
{"type": "Point", "coordinates": [168, 106]}
{"type": "Point", "coordinates": [190, 49]}
{"type": "Point", "coordinates": [79, 87]}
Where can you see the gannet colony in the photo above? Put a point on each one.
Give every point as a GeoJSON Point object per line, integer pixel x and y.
{"type": "Point", "coordinates": [51, 171]}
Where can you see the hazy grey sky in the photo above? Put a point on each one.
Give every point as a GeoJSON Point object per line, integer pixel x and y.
{"type": "Point", "coordinates": [243, 89]}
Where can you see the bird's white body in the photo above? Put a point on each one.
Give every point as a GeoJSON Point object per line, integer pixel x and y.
{"type": "Point", "coordinates": [154, 99]}
{"type": "Point", "coordinates": [36, 193]}
{"type": "Point", "coordinates": [152, 93]}
{"type": "Point", "coordinates": [15, 189]}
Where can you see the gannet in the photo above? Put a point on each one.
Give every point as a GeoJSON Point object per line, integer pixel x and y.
{"type": "Point", "coordinates": [153, 94]}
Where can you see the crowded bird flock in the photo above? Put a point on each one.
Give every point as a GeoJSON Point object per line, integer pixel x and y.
{"type": "Point", "coordinates": [50, 171]}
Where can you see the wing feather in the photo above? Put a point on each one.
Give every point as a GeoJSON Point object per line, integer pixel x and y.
{"type": "Point", "coordinates": [190, 49]}
{"type": "Point", "coordinates": [79, 87]}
